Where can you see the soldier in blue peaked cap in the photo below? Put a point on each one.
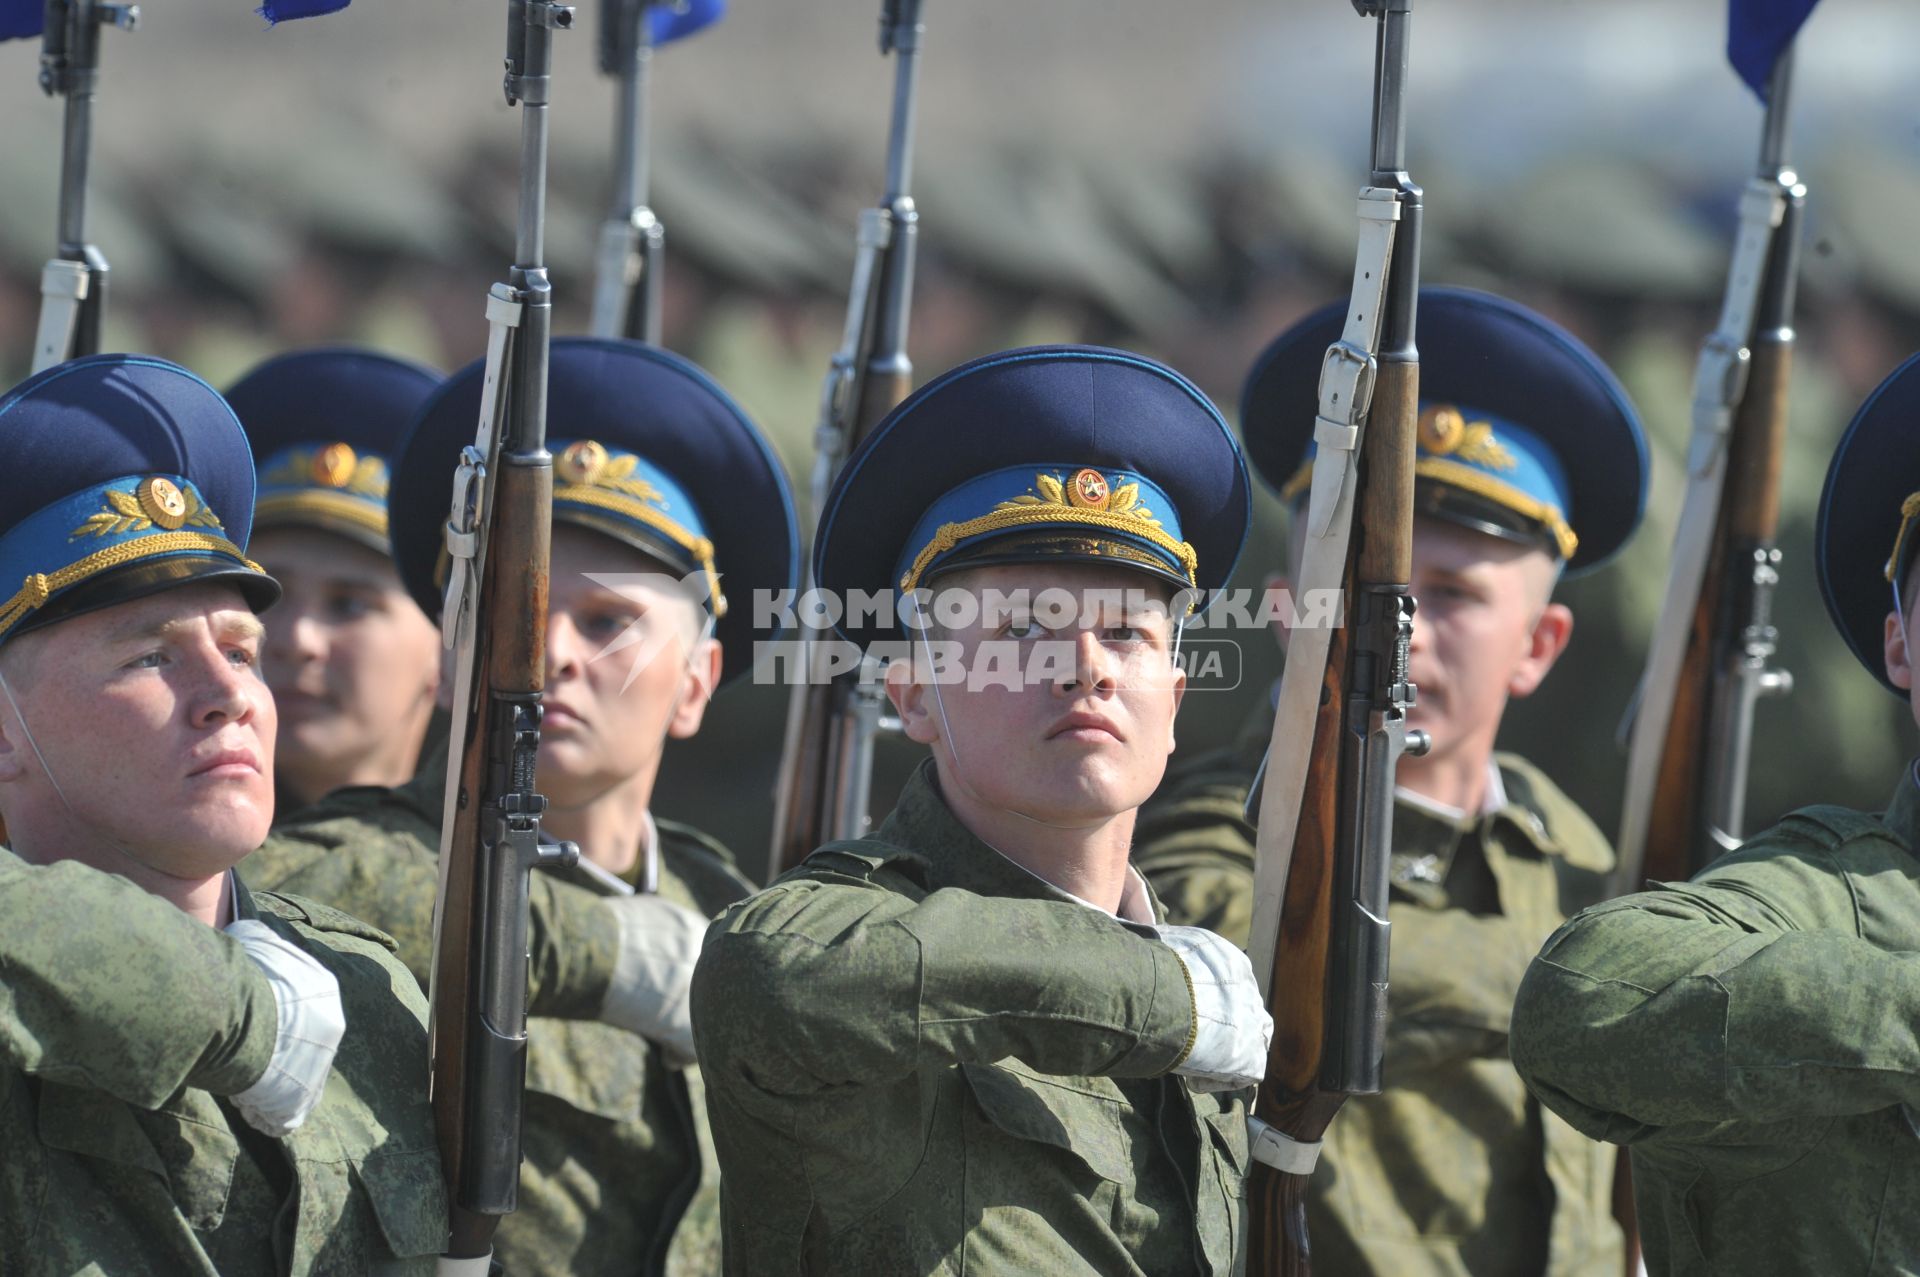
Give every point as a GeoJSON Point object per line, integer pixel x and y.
{"type": "Point", "coordinates": [353, 662]}
{"type": "Point", "coordinates": [670, 515]}
{"type": "Point", "coordinates": [1747, 1032]}
{"type": "Point", "coordinates": [967, 1043]}
{"type": "Point", "coordinates": [1530, 464]}
{"type": "Point", "coordinates": [136, 737]}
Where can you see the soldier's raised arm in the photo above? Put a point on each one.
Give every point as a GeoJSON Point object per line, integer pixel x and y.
{"type": "Point", "coordinates": [1742, 996]}
{"type": "Point", "coordinates": [880, 978]}
{"type": "Point", "coordinates": [138, 1009]}
{"type": "Point", "coordinates": [1751, 1035]}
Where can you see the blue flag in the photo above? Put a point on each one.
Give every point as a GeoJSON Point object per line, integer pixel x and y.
{"type": "Point", "coordinates": [666, 22]}
{"type": "Point", "coordinates": [21, 18]}
{"type": "Point", "coordinates": [1758, 32]}
{"type": "Point", "coordinates": [286, 10]}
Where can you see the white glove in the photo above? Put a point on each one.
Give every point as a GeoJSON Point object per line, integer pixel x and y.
{"type": "Point", "coordinates": [1231, 1027]}
{"type": "Point", "coordinates": [309, 1030]}
{"type": "Point", "coordinates": [653, 976]}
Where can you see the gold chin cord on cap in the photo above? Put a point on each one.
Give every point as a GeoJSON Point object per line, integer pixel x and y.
{"type": "Point", "coordinates": [1909, 511]}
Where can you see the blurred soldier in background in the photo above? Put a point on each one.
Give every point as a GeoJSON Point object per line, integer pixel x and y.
{"type": "Point", "coordinates": [662, 485]}
{"type": "Point", "coordinates": [964, 1043]}
{"type": "Point", "coordinates": [1750, 1034]}
{"type": "Point", "coordinates": [1530, 464]}
{"type": "Point", "coordinates": [137, 738]}
{"type": "Point", "coordinates": [352, 661]}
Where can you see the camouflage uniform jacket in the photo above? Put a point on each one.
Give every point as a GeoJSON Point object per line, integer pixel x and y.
{"type": "Point", "coordinates": [1754, 1037]}
{"type": "Point", "coordinates": [1453, 1168]}
{"type": "Point", "coordinates": [118, 1162]}
{"type": "Point", "coordinates": [611, 1148]}
{"type": "Point", "coordinates": [921, 1058]}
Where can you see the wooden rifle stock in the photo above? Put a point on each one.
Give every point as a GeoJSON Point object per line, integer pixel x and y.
{"type": "Point", "coordinates": [498, 543]}
{"type": "Point", "coordinates": [1326, 1030]}
{"type": "Point", "coordinates": [509, 676]}
{"type": "Point", "coordinates": [1708, 664]}
{"type": "Point", "coordinates": [1680, 830]}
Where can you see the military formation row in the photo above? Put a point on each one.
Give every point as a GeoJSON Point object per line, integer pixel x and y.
{"type": "Point", "coordinates": [1011, 1030]}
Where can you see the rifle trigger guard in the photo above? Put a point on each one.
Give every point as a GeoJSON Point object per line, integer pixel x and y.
{"type": "Point", "coordinates": [1282, 1152]}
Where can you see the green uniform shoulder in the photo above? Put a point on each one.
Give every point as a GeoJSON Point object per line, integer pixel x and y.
{"type": "Point", "coordinates": [1833, 827]}
{"type": "Point", "coordinates": [318, 917]}
{"type": "Point", "coordinates": [1564, 825]}
{"type": "Point", "coordinates": [704, 864]}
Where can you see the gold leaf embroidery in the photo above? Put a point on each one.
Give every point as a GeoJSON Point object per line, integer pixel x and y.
{"type": "Point", "coordinates": [369, 479]}
{"type": "Point", "coordinates": [1124, 503]}
{"type": "Point", "coordinates": [198, 513]}
{"type": "Point", "coordinates": [124, 515]}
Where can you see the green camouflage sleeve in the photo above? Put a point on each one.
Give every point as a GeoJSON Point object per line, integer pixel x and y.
{"type": "Point", "coordinates": [1742, 996]}
{"type": "Point", "coordinates": [107, 987]}
{"type": "Point", "coordinates": [388, 876]}
{"type": "Point", "coordinates": [813, 984]}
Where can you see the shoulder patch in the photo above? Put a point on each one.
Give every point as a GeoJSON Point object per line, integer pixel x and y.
{"type": "Point", "coordinates": [867, 859]}
{"type": "Point", "coordinates": [320, 917]}
{"type": "Point", "coordinates": [1837, 825]}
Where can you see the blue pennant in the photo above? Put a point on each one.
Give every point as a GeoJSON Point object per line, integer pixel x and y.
{"type": "Point", "coordinates": [20, 19]}
{"type": "Point", "coordinates": [1758, 32]}
{"type": "Point", "coordinates": [669, 22]}
{"type": "Point", "coordinates": [277, 11]}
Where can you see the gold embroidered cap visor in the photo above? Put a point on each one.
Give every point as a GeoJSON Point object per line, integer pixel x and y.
{"type": "Point", "coordinates": [647, 450]}
{"type": "Point", "coordinates": [1524, 433]}
{"type": "Point", "coordinates": [1489, 475]}
{"type": "Point", "coordinates": [1033, 455]}
{"type": "Point", "coordinates": [1028, 514]}
{"type": "Point", "coordinates": [322, 422]}
{"type": "Point", "coordinates": [330, 487]}
{"type": "Point", "coordinates": [116, 542]}
{"type": "Point", "coordinates": [156, 488]}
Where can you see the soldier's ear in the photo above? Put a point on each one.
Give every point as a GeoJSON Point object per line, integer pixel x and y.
{"type": "Point", "coordinates": [1894, 649]}
{"type": "Point", "coordinates": [12, 748]}
{"type": "Point", "coordinates": [703, 676]}
{"type": "Point", "coordinates": [1548, 638]}
{"type": "Point", "coordinates": [912, 701]}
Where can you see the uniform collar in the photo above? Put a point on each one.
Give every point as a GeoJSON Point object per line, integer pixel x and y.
{"type": "Point", "coordinates": [1903, 813]}
{"type": "Point", "coordinates": [923, 823]}
{"type": "Point", "coordinates": [1492, 801]}
{"type": "Point", "coordinates": [1421, 825]}
{"type": "Point", "coordinates": [243, 906]}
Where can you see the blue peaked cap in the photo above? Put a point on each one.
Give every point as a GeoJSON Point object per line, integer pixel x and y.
{"type": "Point", "coordinates": [648, 450]}
{"type": "Point", "coordinates": [1038, 455]}
{"type": "Point", "coordinates": [1523, 431]}
{"type": "Point", "coordinates": [125, 475]}
{"type": "Point", "coordinates": [1869, 521]}
{"type": "Point", "coordinates": [323, 425]}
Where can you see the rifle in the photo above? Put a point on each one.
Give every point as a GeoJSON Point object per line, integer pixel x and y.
{"type": "Point", "coordinates": [826, 762]}
{"type": "Point", "coordinates": [626, 288]}
{"type": "Point", "coordinates": [1710, 662]}
{"type": "Point", "coordinates": [73, 284]}
{"type": "Point", "coordinates": [1319, 935]}
{"type": "Point", "coordinates": [495, 622]}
